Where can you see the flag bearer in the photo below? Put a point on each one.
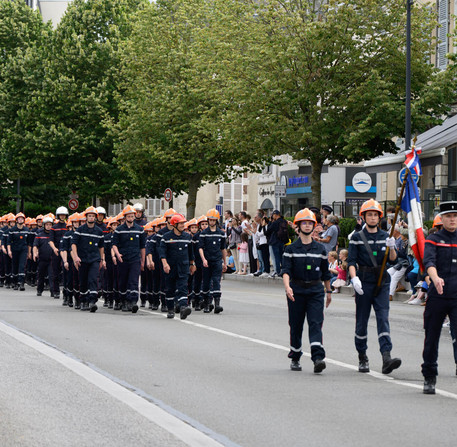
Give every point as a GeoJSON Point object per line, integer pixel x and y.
{"type": "Point", "coordinates": [366, 252]}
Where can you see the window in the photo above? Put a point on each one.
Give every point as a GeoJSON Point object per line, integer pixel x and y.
{"type": "Point", "coordinates": [153, 207]}
{"type": "Point", "coordinates": [442, 32]}
{"type": "Point", "coordinates": [114, 209]}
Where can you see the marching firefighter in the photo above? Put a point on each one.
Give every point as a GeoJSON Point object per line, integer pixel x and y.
{"type": "Point", "coordinates": [11, 221]}
{"type": "Point", "coordinates": [177, 257]}
{"type": "Point", "coordinates": [212, 252]}
{"type": "Point", "coordinates": [154, 262]}
{"type": "Point", "coordinates": [88, 256]}
{"type": "Point", "coordinates": [67, 261]}
{"type": "Point", "coordinates": [57, 232]}
{"type": "Point", "coordinates": [366, 252]}
{"type": "Point", "coordinates": [150, 266]}
{"type": "Point", "coordinates": [109, 271]}
{"type": "Point", "coordinates": [18, 250]}
{"type": "Point", "coordinates": [305, 267]}
{"type": "Point", "coordinates": [42, 253]}
{"type": "Point", "coordinates": [3, 226]}
{"type": "Point", "coordinates": [129, 253]}
{"type": "Point", "coordinates": [440, 262]}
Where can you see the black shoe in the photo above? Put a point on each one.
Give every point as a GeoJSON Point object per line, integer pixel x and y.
{"type": "Point", "coordinates": [429, 385]}
{"type": "Point", "coordinates": [185, 312]}
{"type": "Point", "coordinates": [93, 307]}
{"type": "Point", "coordinates": [134, 308]}
{"type": "Point", "coordinates": [217, 306]}
{"type": "Point", "coordinates": [295, 365]}
{"type": "Point", "coordinates": [84, 306]}
{"type": "Point", "coordinates": [126, 307]}
{"type": "Point", "coordinates": [77, 304]}
{"type": "Point", "coordinates": [15, 287]}
{"type": "Point", "coordinates": [143, 303]}
{"type": "Point", "coordinates": [38, 293]}
{"type": "Point", "coordinates": [70, 302]}
{"type": "Point", "coordinates": [364, 366]}
{"type": "Point", "coordinates": [170, 314]}
{"type": "Point", "coordinates": [389, 364]}
{"type": "Point", "coordinates": [65, 301]}
{"type": "Point", "coordinates": [21, 287]}
{"type": "Point", "coordinates": [105, 303]}
{"type": "Point", "coordinates": [319, 366]}
{"type": "Point", "coordinates": [1, 284]}
{"type": "Point", "coordinates": [57, 296]}
{"type": "Point", "coordinates": [7, 286]}
{"type": "Point", "coordinates": [154, 306]}
{"type": "Point", "coordinates": [164, 308]}
{"type": "Point", "coordinates": [257, 273]}
{"type": "Point", "coordinates": [110, 304]}
{"type": "Point", "coordinates": [177, 309]}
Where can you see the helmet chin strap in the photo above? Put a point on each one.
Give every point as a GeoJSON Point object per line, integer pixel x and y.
{"type": "Point", "coordinates": [176, 228]}
{"type": "Point", "coordinates": [371, 226]}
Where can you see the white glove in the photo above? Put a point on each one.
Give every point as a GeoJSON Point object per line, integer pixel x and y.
{"type": "Point", "coordinates": [390, 242]}
{"type": "Point", "coordinates": [357, 284]}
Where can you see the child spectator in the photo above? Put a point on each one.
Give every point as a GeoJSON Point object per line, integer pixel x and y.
{"type": "Point", "coordinates": [244, 254]}
{"type": "Point", "coordinates": [332, 265]}
{"type": "Point", "coordinates": [342, 271]}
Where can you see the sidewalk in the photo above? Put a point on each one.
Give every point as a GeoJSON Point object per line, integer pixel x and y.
{"type": "Point", "coordinates": [277, 282]}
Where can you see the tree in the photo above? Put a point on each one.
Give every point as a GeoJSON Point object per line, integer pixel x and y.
{"type": "Point", "coordinates": [325, 80]}
{"type": "Point", "coordinates": [169, 132]}
{"type": "Point", "coordinates": [69, 140]}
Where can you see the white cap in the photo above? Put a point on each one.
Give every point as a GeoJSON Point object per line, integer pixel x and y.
{"type": "Point", "coordinates": [138, 207]}
{"type": "Point", "coordinates": [61, 210]}
{"type": "Point", "coordinates": [101, 210]}
{"type": "Point", "coordinates": [47, 219]}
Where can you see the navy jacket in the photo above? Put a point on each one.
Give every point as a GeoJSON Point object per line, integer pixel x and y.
{"type": "Point", "coordinates": [57, 232]}
{"type": "Point", "coordinates": [108, 244]}
{"type": "Point", "coordinates": [305, 263]}
{"type": "Point", "coordinates": [176, 249]}
{"type": "Point", "coordinates": [65, 242]}
{"type": "Point", "coordinates": [129, 241]}
{"type": "Point", "coordinates": [441, 252]}
{"type": "Point", "coordinates": [212, 243]}
{"type": "Point", "coordinates": [88, 241]}
{"type": "Point", "coordinates": [42, 243]}
{"type": "Point", "coordinates": [18, 238]}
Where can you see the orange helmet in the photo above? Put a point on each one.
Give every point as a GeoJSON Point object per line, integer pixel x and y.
{"type": "Point", "coordinates": [213, 213]}
{"type": "Point", "coordinates": [20, 215]}
{"type": "Point", "coordinates": [119, 217]}
{"type": "Point", "coordinates": [161, 220]}
{"type": "Point", "coordinates": [437, 221]}
{"type": "Point", "coordinates": [28, 220]}
{"type": "Point", "coordinates": [170, 212]}
{"type": "Point", "coordinates": [192, 222]}
{"type": "Point", "coordinates": [201, 219]}
{"type": "Point", "coordinates": [69, 223]}
{"type": "Point", "coordinates": [371, 205]}
{"type": "Point", "coordinates": [177, 218]}
{"type": "Point", "coordinates": [11, 217]}
{"type": "Point", "coordinates": [91, 210]}
{"type": "Point", "coordinates": [39, 217]}
{"type": "Point", "coordinates": [305, 214]}
{"type": "Point", "coordinates": [33, 221]}
{"type": "Point", "coordinates": [73, 217]}
{"type": "Point", "coordinates": [153, 223]}
{"type": "Point", "coordinates": [128, 210]}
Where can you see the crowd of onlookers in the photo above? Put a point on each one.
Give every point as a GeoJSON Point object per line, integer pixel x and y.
{"type": "Point", "coordinates": [256, 244]}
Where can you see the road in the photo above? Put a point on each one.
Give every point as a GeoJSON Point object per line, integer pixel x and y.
{"type": "Point", "coordinates": [73, 378]}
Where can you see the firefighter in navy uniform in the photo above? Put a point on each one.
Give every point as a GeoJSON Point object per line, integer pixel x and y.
{"type": "Point", "coordinates": [364, 277]}
{"type": "Point", "coordinates": [11, 221]}
{"type": "Point", "coordinates": [57, 232]}
{"type": "Point", "coordinates": [440, 262]}
{"type": "Point", "coordinates": [154, 262]}
{"type": "Point", "coordinates": [67, 261]}
{"type": "Point", "coordinates": [212, 252]}
{"type": "Point", "coordinates": [2, 264]}
{"type": "Point", "coordinates": [128, 244]}
{"type": "Point", "coordinates": [42, 253]}
{"type": "Point", "coordinates": [177, 257]}
{"type": "Point", "coordinates": [142, 221]}
{"type": "Point", "coordinates": [109, 271]}
{"type": "Point", "coordinates": [305, 267]}
{"type": "Point", "coordinates": [18, 250]}
{"type": "Point", "coordinates": [87, 251]}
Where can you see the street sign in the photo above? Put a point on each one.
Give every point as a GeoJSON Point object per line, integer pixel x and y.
{"type": "Point", "coordinates": [401, 175]}
{"type": "Point", "coordinates": [280, 191]}
{"type": "Point", "coordinates": [73, 195]}
{"type": "Point", "coordinates": [168, 195]}
{"type": "Point", "coordinates": [219, 208]}
{"type": "Point", "coordinates": [73, 204]}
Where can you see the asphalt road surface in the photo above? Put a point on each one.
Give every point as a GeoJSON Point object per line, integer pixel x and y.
{"type": "Point", "coordinates": [72, 378]}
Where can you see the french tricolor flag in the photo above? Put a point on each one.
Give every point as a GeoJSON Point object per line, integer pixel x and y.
{"type": "Point", "coordinates": [410, 204]}
{"type": "Point", "coordinates": [412, 160]}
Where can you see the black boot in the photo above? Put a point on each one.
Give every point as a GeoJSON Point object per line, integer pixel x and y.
{"type": "Point", "coordinates": [21, 287]}
{"type": "Point", "coordinates": [208, 306]}
{"type": "Point", "coordinates": [217, 306]}
{"type": "Point", "coordinates": [388, 363]}
{"type": "Point", "coordinates": [319, 365]}
{"type": "Point", "coordinates": [70, 301]}
{"type": "Point", "coordinates": [65, 301]}
{"type": "Point", "coordinates": [85, 306]}
{"type": "Point", "coordinates": [163, 308]}
{"type": "Point", "coordinates": [295, 365]}
{"type": "Point", "coordinates": [15, 286]}
{"type": "Point", "coordinates": [198, 304]}
{"type": "Point", "coordinates": [93, 307]}
{"type": "Point", "coordinates": [171, 314]}
{"type": "Point", "coordinates": [77, 303]}
{"type": "Point", "coordinates": [429, 385]}
{"type": "Point", "coordinates": [110, 304]}
{"type": "Point", "coordinates": [134, 308]}
{"type": "Point", "coordinates": [39, 293]}
{"type": "Point", "coordinates": [185, 312]}
{"type": "Point", "coordinates": [364, 366]}
{"type": "Point", "coordinates": [143, 303]}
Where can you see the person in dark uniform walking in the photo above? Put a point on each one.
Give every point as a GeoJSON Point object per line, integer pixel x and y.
{"type": "Point", "coordinates": [109, 271]}
{"type": "Point", "coordinates": [154, 265]}
{"type": "Point", "coordinates": [305, 267]}
{"type": "Point", "coordinates": [128, 243]}
{"type": "Point", "coordinates": [440, 262]}
{"type": "Point", "coordinates": [57, 232]}
{"type": "Point", "coordinates": [87, 251]}
{"type": "Point", "coordinates": [2, 265]}
{"type": "Point", "coordinates": [211, 248]}
{"type": "Point", "coordinates": [42, 253]}
{"type": "Point", "coordinates": [11, 221]}
{"type": "Point", "coordinates": [18, 250]}
{"type": "Point", "coordinates": [177, 257]}
{"type": "Point", "coordinates": [366, 252]}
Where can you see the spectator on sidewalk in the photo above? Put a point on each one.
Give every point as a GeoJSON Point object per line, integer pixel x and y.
{"type": "Point", "coordinates": [230, 262]}
{"type": "Point", "coordinates": [244, 255]}
{"type": "Point", "coordinates": [278, 234]}
{"type": "Point", "coordinates": [235, 240]}
{"type": "Point", "coordinates": [329, 237]}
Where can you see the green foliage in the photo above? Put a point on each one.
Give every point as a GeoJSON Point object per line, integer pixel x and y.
{"type": "Point", "coordinates": [347, 226]}
{"type": "Point", "coordinates": [428, 224]}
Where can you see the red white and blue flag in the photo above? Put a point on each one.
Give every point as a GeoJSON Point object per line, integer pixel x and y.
{"type": "Point", "coordinates": [410, 204]}
{"type": "Point", "coordinates": [412, 160]}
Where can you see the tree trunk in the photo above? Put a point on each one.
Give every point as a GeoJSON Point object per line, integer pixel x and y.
{"type": "Point", "coordinates": [195, 182]}
{"type": "Point", "coordinates": [316, 171]}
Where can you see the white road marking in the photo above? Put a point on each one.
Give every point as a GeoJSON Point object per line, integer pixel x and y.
{"type": "Point", "coordinates": [373, 374]}
{"type": "Point", "coordinates": [178, 428]}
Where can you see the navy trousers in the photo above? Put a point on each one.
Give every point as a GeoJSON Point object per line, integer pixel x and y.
{"type": "Point", "coordinates": [88, 281]}
{"type": "Point", "coordinates": [129, 279]}
{"type": "Point", "coordinates": [176, 285]}
{"type": "Point", "coordinates": [44, 266]}
{"type": "Point", "coordinates": [18, 265]}
{"type": "Point", "coordinates": [211, 285]}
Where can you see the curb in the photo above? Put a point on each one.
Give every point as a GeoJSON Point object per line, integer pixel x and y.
{"type": "Point", "coordinates": [277, 283]}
